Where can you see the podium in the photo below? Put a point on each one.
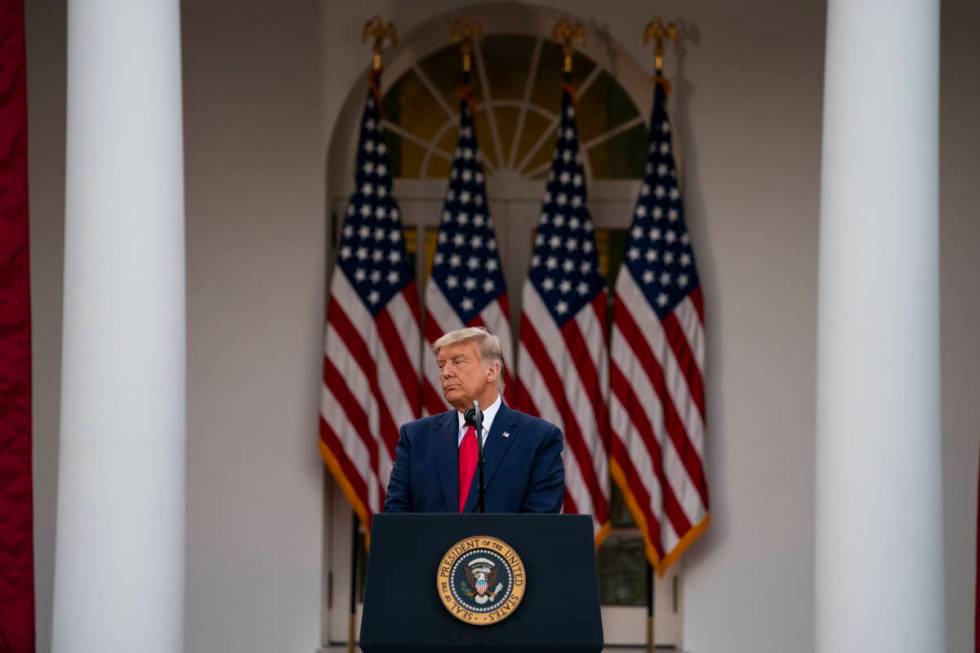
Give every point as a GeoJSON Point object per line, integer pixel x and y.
{"type": "Point", "coordinates": [475, 583]}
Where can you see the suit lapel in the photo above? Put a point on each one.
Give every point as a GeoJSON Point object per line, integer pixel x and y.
{"type": "Point", "coordinates": [494, 451]}
{"type": "Point", "coordinates": [447, 458]}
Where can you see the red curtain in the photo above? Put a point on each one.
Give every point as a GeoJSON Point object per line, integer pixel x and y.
{"type": "Point", "coordinates": [16, 538]}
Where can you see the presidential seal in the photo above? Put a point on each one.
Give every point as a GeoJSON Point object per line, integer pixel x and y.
{"type": "Point", "coordinates": [481, 580]}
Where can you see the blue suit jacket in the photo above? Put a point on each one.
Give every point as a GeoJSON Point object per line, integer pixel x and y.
{"type": "Point", "coordinates": [523, 471]}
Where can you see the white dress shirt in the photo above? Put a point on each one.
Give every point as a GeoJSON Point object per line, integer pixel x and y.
{"type": "Point", "coordinates": [488, 414]}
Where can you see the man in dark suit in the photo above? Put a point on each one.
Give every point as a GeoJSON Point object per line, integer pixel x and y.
{"type": "Point", "coordinates": [435, 463]}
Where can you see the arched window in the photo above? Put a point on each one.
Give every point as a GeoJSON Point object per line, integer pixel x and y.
{"type": "Point", "coordinates": [517, 85]}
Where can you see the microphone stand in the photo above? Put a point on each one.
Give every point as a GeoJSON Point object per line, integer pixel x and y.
{"type": "Point", "coordinates": [481, 488]}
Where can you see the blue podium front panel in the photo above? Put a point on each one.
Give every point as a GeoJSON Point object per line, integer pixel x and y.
{"type": "Point", "coordinates": [530, 582]}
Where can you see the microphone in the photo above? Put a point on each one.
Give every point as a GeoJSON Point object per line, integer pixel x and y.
{"type": "Point", "coordinates": [474, 417]}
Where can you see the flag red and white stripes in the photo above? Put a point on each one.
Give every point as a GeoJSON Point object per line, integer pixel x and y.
{"type": "Point", "coordinates": [562, 374]}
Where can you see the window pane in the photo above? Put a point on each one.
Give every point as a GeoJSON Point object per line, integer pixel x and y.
{"type": "Point", "coordinates": [391, 109]}
{"type": "Point", "coordinates": [438, 167]}
{"type": "Point", "coordinates": [506, 126]}
{"type": "Point", "coordinates": [448, 141]}
{"type": "Point", "coordinates": [444, 68]}
{"type": "Point", "coordinates": [405, 156]}
{"type": "Point", "coordinates": [542, 158]}
{"type": "Point", "coordinates": [484, 135]}
{"type": "Point", "coordinates": [506, 58]}
{"type": "Point", "coordinates": [411, 240]}
{"type": "Point", "coordinates": [416, 109]}
{"type": "Point", "coordinates": [621, 157]}
{"type": "Point", "coordinates": [534, 125]}
{"type": "Point", "coordinates": [610, 245]}
{"type": "Point", "coordinates": [622, 569]}
{"type": "Point", "coordinates": [549, 80]}
{"type": "Point", "coordinates": [429, 252]}
{"type": "Point", "coordinates": [619, 512]}
{"type": "Point", "coordinates": [604, 105]}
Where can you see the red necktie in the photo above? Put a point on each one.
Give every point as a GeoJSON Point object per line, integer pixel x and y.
{"type": "Point", "coordinates": [467, 464]}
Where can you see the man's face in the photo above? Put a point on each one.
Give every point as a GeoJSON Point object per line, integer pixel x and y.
{"type": "Point", "coordinates": [465, 377]}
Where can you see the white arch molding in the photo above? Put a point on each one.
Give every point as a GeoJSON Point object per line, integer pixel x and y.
{"type": "Point", "coordinates": [496, 18]}
{"type": "Point", "coordinates": [515, 189]}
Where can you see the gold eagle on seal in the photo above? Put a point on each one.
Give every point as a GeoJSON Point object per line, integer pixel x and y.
{"type": "Point", "coordinates": [481, 580]}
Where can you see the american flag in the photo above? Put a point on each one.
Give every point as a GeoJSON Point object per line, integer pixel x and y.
{"type": "Point", "coordinates": [467, 285]}
{"type": "Point", "coordinates": [656, 406]}
{"type": "Point", "coordinates": [563, 367]}
{"type": "Point", "coordinates": [371, 362]}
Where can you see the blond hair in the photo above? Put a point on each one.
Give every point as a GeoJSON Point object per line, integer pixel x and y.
{"type": "Point", "coordinates": [487, 344]}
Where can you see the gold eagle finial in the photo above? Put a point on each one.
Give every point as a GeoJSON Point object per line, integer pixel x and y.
{"type": "Point", "coordinates": [465, 30]}
{"type": "Point", "coordinates": [377, 29]}
{"type": "Point", "coordinates": [566, 33]}
{"type": "Point", "coordinates": [657, 31]}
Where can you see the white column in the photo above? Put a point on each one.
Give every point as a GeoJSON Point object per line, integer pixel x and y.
{"type": "Point", "coordinates": [119, 563]}
{"type": "Point", "coordinates": [879, 556]}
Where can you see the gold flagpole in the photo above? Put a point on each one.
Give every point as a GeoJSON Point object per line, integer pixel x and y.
{"type": "Point", "coordinates": [656, 31]}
